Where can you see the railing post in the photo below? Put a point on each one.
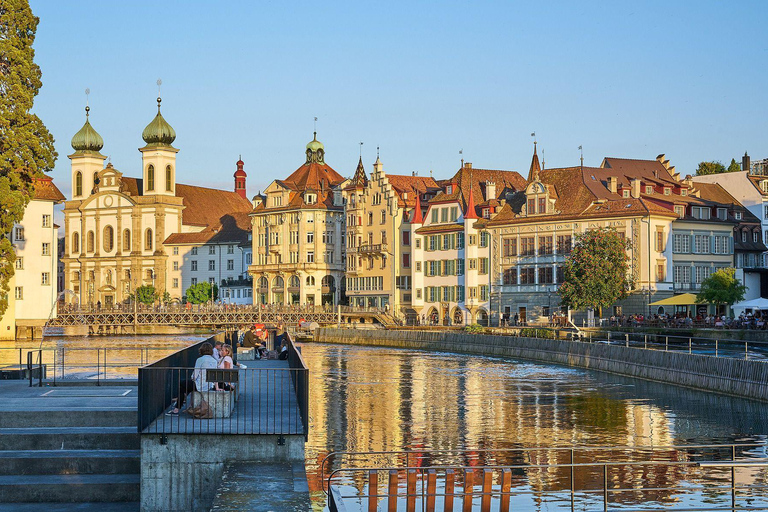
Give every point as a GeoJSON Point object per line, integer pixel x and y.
{"type": "Point", "coordinates": [689, 345]}
{"type": "Point", "coordinates": [29, 367]}
{"type": "Point", "coordinates": [605, 487]}
{"type": "Point", "coordinates": [626, 338]}
{"type": "Point", "coordinates": [733, 477]}
{"type": "Point", "coordinates": [485, 501]}
{"type": "Point", "coordinates": [573, 485]}
{"type": "Point", "coordinates": [449, 490]}
{"type": "Point", "coordinates": [468, 486]}
{"type": "Point", "coordinates": [410, 489]}
{"type": "Point", "coordinates": [646, 341]}
{"type": "Point", "coordinates": [431, 490]}
{"type": "Point", "coordinates": [666, 343]}
{"type": "Point", "coordinates": [506, 487]}
{"type": "Point", "coordinates": [716, 348]}
{"type": "Point", "coordinates": [373, 490]}
{"type": "Point", "coordinates": [746, 351]}
{"type": "Point", "coordinates": [392, 491]}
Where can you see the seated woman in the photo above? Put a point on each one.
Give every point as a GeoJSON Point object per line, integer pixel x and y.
{"type": "Point", "coordinates": [225, 363]}
{"type": "Point", "coordinates": [198, 380]}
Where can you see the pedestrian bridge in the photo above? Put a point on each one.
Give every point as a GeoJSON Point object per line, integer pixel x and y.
{"type": "Point", "coordinates": [126, 319]}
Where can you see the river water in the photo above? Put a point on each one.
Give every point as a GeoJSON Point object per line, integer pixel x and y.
{"type": "Point", "coordinates": [378, 399]}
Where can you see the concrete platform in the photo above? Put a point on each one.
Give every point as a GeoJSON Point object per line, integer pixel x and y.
{"type": "Point", "coordinates": [267, 405]}
{"type": "Point", "coordinates": [271, 486]}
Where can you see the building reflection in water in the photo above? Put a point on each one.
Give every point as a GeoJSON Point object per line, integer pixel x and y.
{"type": "Point", "coordinates": [378, 399]}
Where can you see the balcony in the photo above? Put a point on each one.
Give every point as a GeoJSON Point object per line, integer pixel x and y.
{"type": "Point", "coordinates": [372, 248]}
{"type": "Point", "coordinates": [686, 287]}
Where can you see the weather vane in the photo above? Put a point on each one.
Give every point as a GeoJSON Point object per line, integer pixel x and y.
{"type": "Point", "coordinates": [315, 125]}
{"type": "Point", "coordinates": [534, 138]}
{"type": "Point", "coordinates": [361, 149]}
{"type": "Point", "coordinates": [581, 150]}
{"type": "Point", "coordinates": [87, 107]}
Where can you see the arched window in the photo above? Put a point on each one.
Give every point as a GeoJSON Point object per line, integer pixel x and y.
{"type": "Point", "coordinates": [109, 239]}
{"type": "Point", "coordinates": [294, 282]}
{"type": "Point", "coordinates": [78, 184]}
{"type": "Point", "coordinates": [263, 283]}
{"type": "Point", "coordinates": [168, 181]}
{"type": "Point", "coordinates": [310, 281]}
{"type": "Point", "coordinates": [151, 178]}
{"type": "Point", "coordinates": [148, 240]}
{"type": "Point", "coordinates": [75, 243]}
{"type": "Point", "coordinates": [126, 240]}
{"type": "Point", "coordinates": [278, 283]}
{"type": "Point", "coordinates": [90, 242]}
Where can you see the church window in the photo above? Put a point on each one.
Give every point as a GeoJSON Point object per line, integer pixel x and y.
{"type": "Point", "coordinates": [168, 181]}
{"type": "Point", "coordinates": [75, 243]}
{"type": "Point", "coordinates": [151, 178]}
{"type": "Point", "coordinates": [126, 240]}
{"type": "Point", "coordinates": [148, 240]}
{"type": "Point", "coordinates": [78, 184]}
{"type": "Point", "coordinates": [109, 239]}
{"type": "Point", "coordinates": [90, 242]}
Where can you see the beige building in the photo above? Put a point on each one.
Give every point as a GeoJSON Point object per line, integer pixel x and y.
{"type": "Point", "coordinates": [116, 227]}
{"type": "Point", "coordinates": [379, 257]}
{"type": "Point", "coordinates": [298, 236]}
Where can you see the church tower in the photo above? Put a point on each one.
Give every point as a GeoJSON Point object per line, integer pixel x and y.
{"type": "Point", "coordinates": [158, 157]}
{"type": "Point", "coordinates": [240, 176]}
{"type": "Point", "coordinates": [87, 161]}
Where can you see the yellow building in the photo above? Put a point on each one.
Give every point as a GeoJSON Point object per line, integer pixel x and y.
{"type": "Point", "coordinates": [298, 236]}
{"type": "Point", "coordinates": [379, 258]}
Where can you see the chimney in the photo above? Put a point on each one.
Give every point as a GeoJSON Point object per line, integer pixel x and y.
{"type": "Point", "coordinates": [240, 179]}
{"type": "Point", "coordinates": [745, 163]}
{"type": "Point", "coordinates": [612, 182]}
{"type": "Point", "coordinates": [467, 165]}
{"type": "Point", "coordinates": [635, 184]}
{"type": "Point", "coordinates": [490, 189]}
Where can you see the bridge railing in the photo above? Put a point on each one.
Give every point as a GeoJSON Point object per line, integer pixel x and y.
{"type": "Point", "coordinates": [693, 478]}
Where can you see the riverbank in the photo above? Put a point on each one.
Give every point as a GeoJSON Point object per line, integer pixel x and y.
{"type": "Point", "coordinates": [735, 377]}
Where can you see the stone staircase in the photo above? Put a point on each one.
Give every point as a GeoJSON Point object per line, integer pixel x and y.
{"type": "Point", "coordinates": [69, 459]}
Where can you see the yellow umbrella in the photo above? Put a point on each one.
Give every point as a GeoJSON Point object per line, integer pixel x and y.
{"type": "Point", "coordinates": [684, 299]}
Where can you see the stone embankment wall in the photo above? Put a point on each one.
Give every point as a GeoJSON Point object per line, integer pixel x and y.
{"type": "Point", "coordinates": [737, 377]}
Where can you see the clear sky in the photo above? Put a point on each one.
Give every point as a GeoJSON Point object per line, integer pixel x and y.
{"type": "Point", "coordinates": [422, 80]}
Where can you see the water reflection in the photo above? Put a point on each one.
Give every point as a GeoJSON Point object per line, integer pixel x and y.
{"type": "Point", "coordinates": [374, 399]}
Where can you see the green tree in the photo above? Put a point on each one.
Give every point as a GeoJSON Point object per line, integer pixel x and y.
{"type": "Point", "coordinates": [734, 166]}
{"type": "Point", "coordinates": [710, 168]}
{"type": "Point", "coordinates": [596, 272]}
{"type": "Point", "coordinates": [26, 146]}
{"type": "Point", "coordinates": [146, 294]}
{"type": "Point", "coordinates": [721, 287]}
{"type": "Point", "coordinates": [200, 293]}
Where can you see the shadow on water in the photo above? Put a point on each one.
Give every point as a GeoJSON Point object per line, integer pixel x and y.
{"type": "Point", "coordinates": [380, 399]}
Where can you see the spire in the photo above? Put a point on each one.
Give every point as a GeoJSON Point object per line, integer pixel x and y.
{"type": "Point", "coordinates": [418, 217]}
{"type": "Point", "coordinates": [360, 179]}
{"type": "Point", "coordinates": [533, 173]}
{"type": "Point", "coordinates": [471, 212]}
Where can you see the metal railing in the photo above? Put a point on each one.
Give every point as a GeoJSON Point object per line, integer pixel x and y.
{"type": "Point", "coordinates": [689, 478]}
{"type": "Point", "coordinates": [267, 397]}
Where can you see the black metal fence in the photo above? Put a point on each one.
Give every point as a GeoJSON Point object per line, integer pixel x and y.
{"type": "Point", "coordinates": [267, 397]}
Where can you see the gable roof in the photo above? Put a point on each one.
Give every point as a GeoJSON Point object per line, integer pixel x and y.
{"type": "Point", "coordinates": [414, 186]}
{"type": "Point", "coordinates": [45, 190]}
{"type": "Point", "coordinates": [469, 179]}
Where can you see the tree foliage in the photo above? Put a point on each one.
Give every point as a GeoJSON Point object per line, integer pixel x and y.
{"type": "Point", "coordinates": [596, 272]}
{"type": "Point", "coordinates": [710, 168]}
{"type": "Point", "coordinates": [733, 166]}
{"type": "Point", "coordinates": [26, 146]}
{"type": "Point", "coordinates": [721, 287]}
{"type": "Point", "coordinates": [200, 293]}
{"type": "Point", "coordinates": [146, 294]}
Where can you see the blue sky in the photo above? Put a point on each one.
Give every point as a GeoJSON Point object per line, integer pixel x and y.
{"type": "Point", "coordinates": [422, 80]}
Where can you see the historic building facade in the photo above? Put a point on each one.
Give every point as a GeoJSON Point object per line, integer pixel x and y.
{"type": "Point", "coordinates": [451, 274]}
{"type": "Point", "coordinates": [299, 236]}
{"type": "Point", "coordinates": [33, 288]}
{"type": "Point", "coordinates": [116, 227]}
{"type": "Point", "coordinates": [379, 258]}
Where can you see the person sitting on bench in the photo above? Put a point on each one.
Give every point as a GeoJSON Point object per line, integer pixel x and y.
{"type": "Point", "coordinates": [198, 381]}
{"type": "Point", "coordinates": [225, 364]}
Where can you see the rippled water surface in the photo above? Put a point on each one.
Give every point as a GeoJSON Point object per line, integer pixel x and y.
{"type": "Point", "coordinates": [378, 399]}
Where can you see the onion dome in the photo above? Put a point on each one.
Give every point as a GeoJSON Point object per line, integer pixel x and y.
{"type": "Point", "coordinates": [315, 151]}
{"type": "Point", "coordinates": [87, 139]}
{"type": "Point", "coordinates": [159, 131]}
{"type": "Point", "coordinates": [240, 172]}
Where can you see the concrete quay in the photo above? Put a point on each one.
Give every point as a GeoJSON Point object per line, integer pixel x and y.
{"type": "Point", "coordinates": [745, 378]}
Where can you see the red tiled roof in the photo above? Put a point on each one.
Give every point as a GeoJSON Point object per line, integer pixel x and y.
{"type": "Point", "coordinates": [45, 190]}
{"type": "Point", "coordinates": [414, 186]}
{"type": "Point", "coordinates": [468, 178]}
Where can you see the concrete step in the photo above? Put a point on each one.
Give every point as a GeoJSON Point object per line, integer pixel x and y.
{"type": "Point", "coordinates": [69, 418]}
{"type": "Point", "coordinates": [63, 438]}
{"type": "Point", "coordinates": [69, 488]}
{"type": "Point", "coordinates": [68, 462]}
{"type": "Point", "coordinates": [126, 506]}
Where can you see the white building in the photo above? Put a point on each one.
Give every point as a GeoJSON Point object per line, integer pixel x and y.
{"type": "Point", "coordinates": [451, 275]}
{"type": "Point", "coordinates": [33, 287]}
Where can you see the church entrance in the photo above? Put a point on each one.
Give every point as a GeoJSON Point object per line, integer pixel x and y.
{"type": "Point", "coordinates": [109, 301]}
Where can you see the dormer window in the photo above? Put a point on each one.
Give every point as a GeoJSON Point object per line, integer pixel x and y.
{"type": "Point", "coordinates": [668, 191]}
{"type": "Point", "coordinates": [737, 215]}
{"type": "Point", "coordinates": [277, 201]}
{"type": "Point", "coordinates": [683, 192]}
{"type": "Point", "coordinates": [625, 193]}
{"type": "Point", "coordinates": [486, 213]}
{"type": "Point", "coordinates": [722, 213]}
{"type": "Point", "coordinates": [648, 189]}
{"type": "Point", "coordinates": [310, 198]}
{"type": "Point", "coordinates": [764, 186]}
{"type": "Point", "coordinates": [701, 212]}
{"type": "Point", "coordinates": [449, 189]}
{"type": "Point", "coordinates": [531, 206]}
{"type": "Point", "coordinates": [680, 211]}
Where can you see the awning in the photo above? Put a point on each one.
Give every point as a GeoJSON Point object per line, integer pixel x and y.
{"type": "Point", "coordinates": [684, 299]}
{"type": "Point", "coordinates": [758, 303]}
